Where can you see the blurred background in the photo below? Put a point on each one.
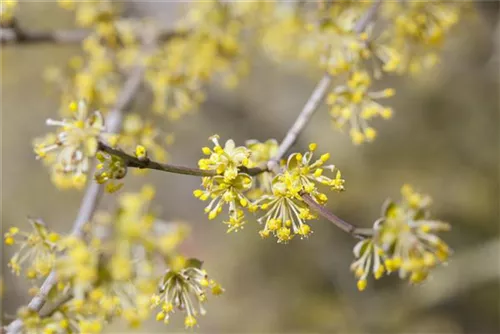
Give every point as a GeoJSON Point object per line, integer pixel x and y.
{"type": "Point", "coordinates": [444, 140]}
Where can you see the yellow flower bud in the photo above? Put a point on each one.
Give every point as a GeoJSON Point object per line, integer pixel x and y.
{"type": "Point", "coordinates": [362, 283]}
{"type": "Point", "coordinates": [190, 321]}
{"type": "Point", "coordinates": [141, 153]}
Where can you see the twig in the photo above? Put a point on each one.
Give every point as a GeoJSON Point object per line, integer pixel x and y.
{"type": "Point", "coordinates": [17, 35]}
{"type": "Point", "coordinates": [92, 194]}
{"type": "Point", "coordinates": [134, 162]}
{"type": "Point", "coordinates": [368, 17]}
{"type": "Point", "coordinates": [10, 36]}
{"type": "Point", "coordinates": [305, 115]}
{"type": "Point", "coordinates": [325, 213]}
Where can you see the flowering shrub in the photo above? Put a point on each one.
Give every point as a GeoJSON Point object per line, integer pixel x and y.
{"type": "Point", "coordinates": [126, 264]}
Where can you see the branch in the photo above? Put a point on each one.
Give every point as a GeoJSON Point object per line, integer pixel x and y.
{"type": "Point", "coordinates": [305, 115]}
{"type": "Point", "coordinates": [325, 213]}
{"type": "Point", "coordinates": [93, 193]}
{"type": "Point", "coordinates": [133, 162]}
{"type": "Point", "coordinates": [17, 35]}
{"type": "Point", "coordinates": [369, 16]}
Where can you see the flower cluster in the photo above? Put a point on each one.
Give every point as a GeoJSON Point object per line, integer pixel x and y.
{"type": "Point", "coordinates": [418, 31]}
{"type": "Point", "coordinates": [286, 212]}
{"type": "Point", "coordinates": [279, 195]}
{"type": "Point", "coordinates": [111, 49]}
{"type": "Point", "coordinates": [177, 74]}
{"type": "Point", "coordinates": [110, 168]}
{"type": "Point", "coordinates": [325, 35]}
{"type": "Point", "coordinates": [78, 266]}
{"type": "Point", "coordinates": [229, 184]}
{"type": "Point", "coordinates": [67, 152]}
{"type": "Point", "coordinates": [37, 250]}
{"type": "Point", "coordinates": [181, 283]}
{"type": "Point", "coordinates": [404, 240]}
{"type": "Point", "coordinates": [355, 105]}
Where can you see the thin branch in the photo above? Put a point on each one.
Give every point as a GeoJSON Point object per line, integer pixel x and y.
{"type": "Point", "coordinates": [92, 194]}
{"type": "Point", "coordinates": [134, 162]}
{"type": "Point", "coordinates": [18, 35]}
{"type": "Point", "coordinates": [11, 36]}
{"type": "Point", "coordinates": [368, 17]}
{"type": "Point", "coordinates": [305, 115]}
{"type": "Point", "coordinates": [325, 213]}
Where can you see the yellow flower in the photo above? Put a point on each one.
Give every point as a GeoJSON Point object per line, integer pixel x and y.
{"type": "Point", "coordinates": [286, 212]}
{"type": "Point", "coordinates": [7, 10]}
{"type": "Point", "coordinates": [225, 161]}
{"type": "Point", "coordinates": [37, 250]}
{"type": "Point", "coordinates": [224, 191]}
{"type": "Point", "coordinates": [369, 259]}
{"type": "Point", "coordinates": [404, 241]}
{"type": "Point", "coordinates": [76, 141]}
{"type": "Point", "coordinates": [184, 287]}
{"type": "Point", "coordinates": [78, 266]}
{"type": "Point", "coordinates": [354, 105]}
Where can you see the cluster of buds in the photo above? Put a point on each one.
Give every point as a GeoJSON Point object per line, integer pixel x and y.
{"type": "Point", "coordinates": [110, 168]}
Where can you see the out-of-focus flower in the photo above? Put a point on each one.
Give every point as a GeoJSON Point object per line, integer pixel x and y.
{"type": "Point", "coordinates": [78, 266]}
{"type": "Point", "coordinates": [37, 249]}
{"type": "Point", "coordinates": [138, 131]}
{"type": "Point", "coordinates": [76, 140]}
{"type": "Point", "coordinates": [404, 240]}
{"type": "Point", "coordinates": [419, 29]}
{"type": "Point", "coordinates": [354, 105]}
{"type": "Point", "coordinates": [89, 13]}
{"type": "Point", "coordinates": [7, 10]}
{"type": "Point", "coordinates": [368, 260]}
{"type": "Point", "coordinates": [177, 75]}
